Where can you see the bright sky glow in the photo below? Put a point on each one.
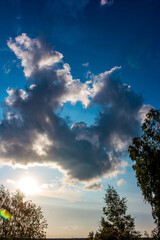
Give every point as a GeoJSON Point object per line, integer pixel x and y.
{"type": "Point", "coordinates": [28, 186]}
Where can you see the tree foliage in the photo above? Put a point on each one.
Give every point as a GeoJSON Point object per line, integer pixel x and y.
{"type": "Point", "coordinates": [26, 221]}
{"type": "Point", "coordinates": [116, 224]}
{"type": "Point", "coordinates": [91, 236]}
{"type": "Point", "coordinates": [145, 153]}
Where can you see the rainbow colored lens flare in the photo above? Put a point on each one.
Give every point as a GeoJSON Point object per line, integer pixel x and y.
{"type": "Point", "coordinates": [5, 213]}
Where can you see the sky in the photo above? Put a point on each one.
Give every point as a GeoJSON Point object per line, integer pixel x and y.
{"type": "Point", "coordinates": [76, 80]}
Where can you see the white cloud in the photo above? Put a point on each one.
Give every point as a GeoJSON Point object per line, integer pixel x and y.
{"type": "Point", "coordinates": [117, 168]}
{"type": "Point", "coordinates": [11, 97]}
{"type": "Point", "coordinates": [41, 144]}
{"type": "Point", "coordinates": [121, 182]}
{"type": "Point", "coordinates": [107, 2]}
{"type": "Point", "coordinates": [10, 181]}
{"type": "Point", "coordinates": [71, 194]}
{"type": "Point", "coordinates": [143, 111]}
{"type": "Point", "coordinates": [85, 64]}
{"type": "Point", "coordinates": [118, 144]}
{"type": "Point", "coordinates": [75, 90]}
{"type": "Point", "coordinates": [66, 180]}
{"type": "Point", "coordinates": [6, 70]}
{"type": "Point", "coordinates": [88, 74]}
{"type": "Point", "coordinates": [34, 54]}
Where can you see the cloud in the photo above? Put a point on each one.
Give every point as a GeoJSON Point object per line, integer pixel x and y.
{"type": "Point", "coordinates": [93, 184]}
{"type": "Point", "coordinates": [55, 189]}
{"type": "Point", "coordinates": [85, 64]}
{"type": "Point", "coordinates": [33, 53]}
{"type": "Point", "coordinates": [60, 190]}
{"type": "Point", "coordinates": [117, 123]}
{"type": "Point", "coordinates": [71, 227]}
{"type": "Point", "coordinates": [88, 74]}
{"type": "Point", "coordinates": [107, 2]}
{"type": "Point", "coordinates": [117, 168]}
{"type": "Point", "coordinates": [121, 182]}
{"type": "Point", "coordinates": [32, 133]}
{"type": "Point", "coordinates": [75, 90]}
{"type": "Point", "coordinates": [6, 70]}
{"type": "Point", "coordinates": [10, 181]}
{"type": "Point", "coordinates": [143, 111]}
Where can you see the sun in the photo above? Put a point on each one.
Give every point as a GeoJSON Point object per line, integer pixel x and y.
{"type": "Point", "coordinates": [28, 186]}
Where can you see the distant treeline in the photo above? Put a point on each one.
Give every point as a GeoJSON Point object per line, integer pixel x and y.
{"type": "Point", "coordinates": [143, 238]}
{"type": "Point", "coordinates": [44, 239]}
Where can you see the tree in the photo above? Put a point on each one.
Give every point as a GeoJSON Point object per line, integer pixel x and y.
{"type": "Point", "coordinates": [26, 221]}
{"type": "Point", "coordinates": [145, 153]}
{"type": "Point", "coordinates": [146, 234]}
{"type": "Point", "coordinates": [91, 236]}
{"type": "Point", "coordinates": [117, 225]}
{"type": "Point", "coordinates": [154, 233]}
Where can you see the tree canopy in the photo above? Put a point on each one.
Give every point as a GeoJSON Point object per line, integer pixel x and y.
{"type": "Point", "coordinates": [116, 224]}
{"type": "Point", "coordinates": [145, 153]}
{"type": "Point", "coordinates": [27, 221]}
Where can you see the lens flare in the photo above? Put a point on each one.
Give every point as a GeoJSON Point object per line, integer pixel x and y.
{"type": "Point", "coordinates": [4, 213]}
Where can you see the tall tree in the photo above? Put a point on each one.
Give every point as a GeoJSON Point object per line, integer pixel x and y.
{"type": "Point", "coordinates": [26, 221]}
{"type": "Point", "coordinates": [117, 224]}
{"type": "Point", "coordinates": [145, 153]}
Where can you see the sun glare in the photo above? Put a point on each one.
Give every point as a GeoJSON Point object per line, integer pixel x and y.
{"type": "Point", "coordinates": [28, 186]}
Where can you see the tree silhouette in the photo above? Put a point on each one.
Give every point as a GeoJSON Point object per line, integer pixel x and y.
{"type": "Point", "coordinates": [91, 236]}
{"type": "Point", "coordinates": [116, 224]}
{"type": "Point", "coordinates": [26, 221]}
{"type": "Point", "coordinates": [145, 153]}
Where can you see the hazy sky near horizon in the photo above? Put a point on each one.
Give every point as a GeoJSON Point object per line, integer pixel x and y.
{"type": "Point", "coordinates": [77, 78]}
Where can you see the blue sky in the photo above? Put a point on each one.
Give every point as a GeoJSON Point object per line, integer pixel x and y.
{"type": "Point", "coordinates": [77, 78]}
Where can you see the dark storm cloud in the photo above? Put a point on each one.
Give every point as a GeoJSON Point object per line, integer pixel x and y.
{"type": "Point", "coordinates": [31, 132]}
{"type": "Point", "coordinates": [94, 186]}
{"type": "Point", "coordinates": [118, 122]}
